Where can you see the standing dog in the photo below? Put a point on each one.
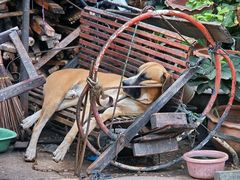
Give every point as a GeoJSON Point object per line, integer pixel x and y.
{"type": "Point", "coordinates": [63, 88]}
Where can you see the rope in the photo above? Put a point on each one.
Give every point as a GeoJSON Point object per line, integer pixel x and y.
{"type": "Point", "coordinates": [98, 93]}
{"type": "Point", "coordinates": [43, 12]}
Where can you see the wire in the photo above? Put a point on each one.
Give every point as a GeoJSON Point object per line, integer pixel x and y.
{"type": "Point", "coordinates": [70, 2]}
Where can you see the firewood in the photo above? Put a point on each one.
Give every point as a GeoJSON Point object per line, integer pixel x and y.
{"type": "Point", "coordinates": [4, 1]}
{"type": "Point", "coordinates": [52, 43]}
{"type": "Point", "coordinates": [13, 14]}
{"type": "Point", "coordinates": [74, 17]}
{"type": "Point", "coordinates": [8, 56]}
{"type": "Point", "coordinates": [53, 69]}
{"type": "Point", "coordinates": [57, 62]}
{"type": "Point", "coordinates": [9, 47]}
{"type": "Point", "coordinates": [42, 27]}
{"type": "Point", "coordinates": [31, 41]}
{"type": "Point", "coordinates": [67, 40]}
{"type": "Point", "coordinates": [63, 29]}
{"type": "Point", "coordinates": [47, 38]}
{"type": "Point", "coordinates": [34, 58]}
{"type": "Point", "coordinates": [3, 7]}
{"type": "Point", "coordinates": [50, 6]}
{"type": "Point", "coordinates": [36, 50]}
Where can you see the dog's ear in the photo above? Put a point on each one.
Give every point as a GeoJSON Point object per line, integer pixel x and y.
{"type": "Point", "coordinates": [167, 81]}
{"type": "Point", "coordinates": [145, 65]}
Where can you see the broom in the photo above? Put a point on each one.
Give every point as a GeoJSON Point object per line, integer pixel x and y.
{"type": "Point", "coordinates": [11, 113]}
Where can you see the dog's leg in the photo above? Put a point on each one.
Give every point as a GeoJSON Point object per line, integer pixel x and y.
{"type": "Point", "coordinates": [46, 115]}
{"type": "Point", "coordinates": [31, 150]}
{"type": "Point", "coordinates": [62, 149]}
{"type": "Point", "coordinates": [124, 108]}
{"type": "Point", "coordinates": [30, 120]}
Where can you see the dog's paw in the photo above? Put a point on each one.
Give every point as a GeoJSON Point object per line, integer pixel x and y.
{"type": "Point", "coordinates": [27, 122]}
{"type": "Point", "coordinates": [61, 151]}
{"type": "Point", "coordinates": [30, 154]}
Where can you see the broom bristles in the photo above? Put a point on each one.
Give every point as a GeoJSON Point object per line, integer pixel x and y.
{"type": "Point", "coordinates": [11, 113]}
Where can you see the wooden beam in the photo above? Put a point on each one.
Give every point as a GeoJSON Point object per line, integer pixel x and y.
{"type": "Point", "coordinates": [42, 27]}
{"type": "Point", "coordinates": [21, 87]}
{"type": "Point", "coordinates": [4, 1]}
{"type": "Point", "coordinates": [8, 46]}
{"type": "Point", "coordinates": [4, 36]}
{"type": "Point", "coordinates": [67, 40]}
{"type": "Point", "coordinates": [14, 14]}
{"type": "Point", "coordinates": [25, 59]}
{"type": "Point", "coordinates": [50, 6]}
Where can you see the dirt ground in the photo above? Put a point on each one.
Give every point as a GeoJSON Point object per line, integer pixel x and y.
{"type": "Point", "coordinates": [13, 166]}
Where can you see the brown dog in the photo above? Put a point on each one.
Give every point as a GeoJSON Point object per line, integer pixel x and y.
{"type": "Point", "coordinates": [63, 88]}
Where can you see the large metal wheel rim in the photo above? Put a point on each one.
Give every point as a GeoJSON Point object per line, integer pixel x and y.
{"type": "Point", "coordinates": [217, 80]}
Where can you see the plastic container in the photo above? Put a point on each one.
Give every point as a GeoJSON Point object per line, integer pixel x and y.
{"type": "Point", "coordinates": [203, 164]}
{"type": "Point", "coordinates": [5, 138]}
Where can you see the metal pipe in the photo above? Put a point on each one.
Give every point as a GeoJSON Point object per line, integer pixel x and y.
{"type": "Point", "coordinates": [25, 23]}
{"type": "Point", "coordinates": [25, 40]}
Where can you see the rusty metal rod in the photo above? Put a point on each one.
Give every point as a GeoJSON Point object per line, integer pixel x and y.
{"type": "Point", "coordinates": [131, 87]}
{"type": "Point", "coordinates": [25, 40]}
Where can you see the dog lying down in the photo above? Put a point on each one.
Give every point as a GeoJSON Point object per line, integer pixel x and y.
{"type": "Point", "coordinates": [63, 88]}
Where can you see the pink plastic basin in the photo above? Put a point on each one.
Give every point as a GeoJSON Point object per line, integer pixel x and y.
{"type": "Point", "coordinates": [203, 164]}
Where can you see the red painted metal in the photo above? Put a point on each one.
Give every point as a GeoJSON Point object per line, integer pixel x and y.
{"type": "Point", "coordinates": [203, 30]}
{"type": "Point", "coordinates": [150, 14]}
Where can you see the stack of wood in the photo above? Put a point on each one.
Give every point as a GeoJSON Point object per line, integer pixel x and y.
{"type": "Point", "coordinates": [52, 26]}
{"type": "Point", "coordinates": [50, 22]}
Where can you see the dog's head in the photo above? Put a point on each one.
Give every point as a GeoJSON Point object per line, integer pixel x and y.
{"type": "Point", "coordinates": [148, 74]}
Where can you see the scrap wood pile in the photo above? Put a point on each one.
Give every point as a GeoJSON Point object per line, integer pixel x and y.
{"type": "Point", "coordinates": [50, 22]}
{"type": "Point", "coordinates": [54, 32]}
{"type": "Point", "coordinates": [53, 43]}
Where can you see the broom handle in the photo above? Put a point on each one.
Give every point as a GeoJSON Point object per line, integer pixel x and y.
{"type": "Point", "coordinates": [1, 60]}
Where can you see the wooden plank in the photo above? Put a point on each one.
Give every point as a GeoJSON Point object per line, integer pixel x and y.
{"type": "Point", "coordinates": [153, 34]}
{"type": "Point", "coordinates": [104, 65]}
{"type": "Point", "coordinates": [67, 40]}
{"type": "Point", "coordinates": [42, 27]}
{"type": "Point", "coordinates": [55, 117]}
{"type": "Point", "coordinates": [25, 59]}
{"type": "Point", "coordinates": [50, 6]}
{"type": "Point", "coordinates": [145, 54]}
{"type": "Point", "coordinates": [4, 36]}
{"type": "Point", "coordinates": [48, 38]}
{"type": "Point", "coordinates": [8, 46]}
{"type": "Point", "coordinates": [140, 41]}
{"type": "Point", "coordinates": [21, 87]}
{"type": "Point", "coordinates": [217, 30]}
{"type": "Point", "coordinates": [63, 120]}
{"type": "Point", "coordinates": [154, 147]}
{"type": "Point", "coordinates": [143, 25]}
{"type": "Point", "coordinates": [14, 14]}
{"type": "Point", "coordinates": [138, 54]}
{"type": "Point", "coordinates": [4, 1]}
{"type": "Point", "coordinates": [160, 120]}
